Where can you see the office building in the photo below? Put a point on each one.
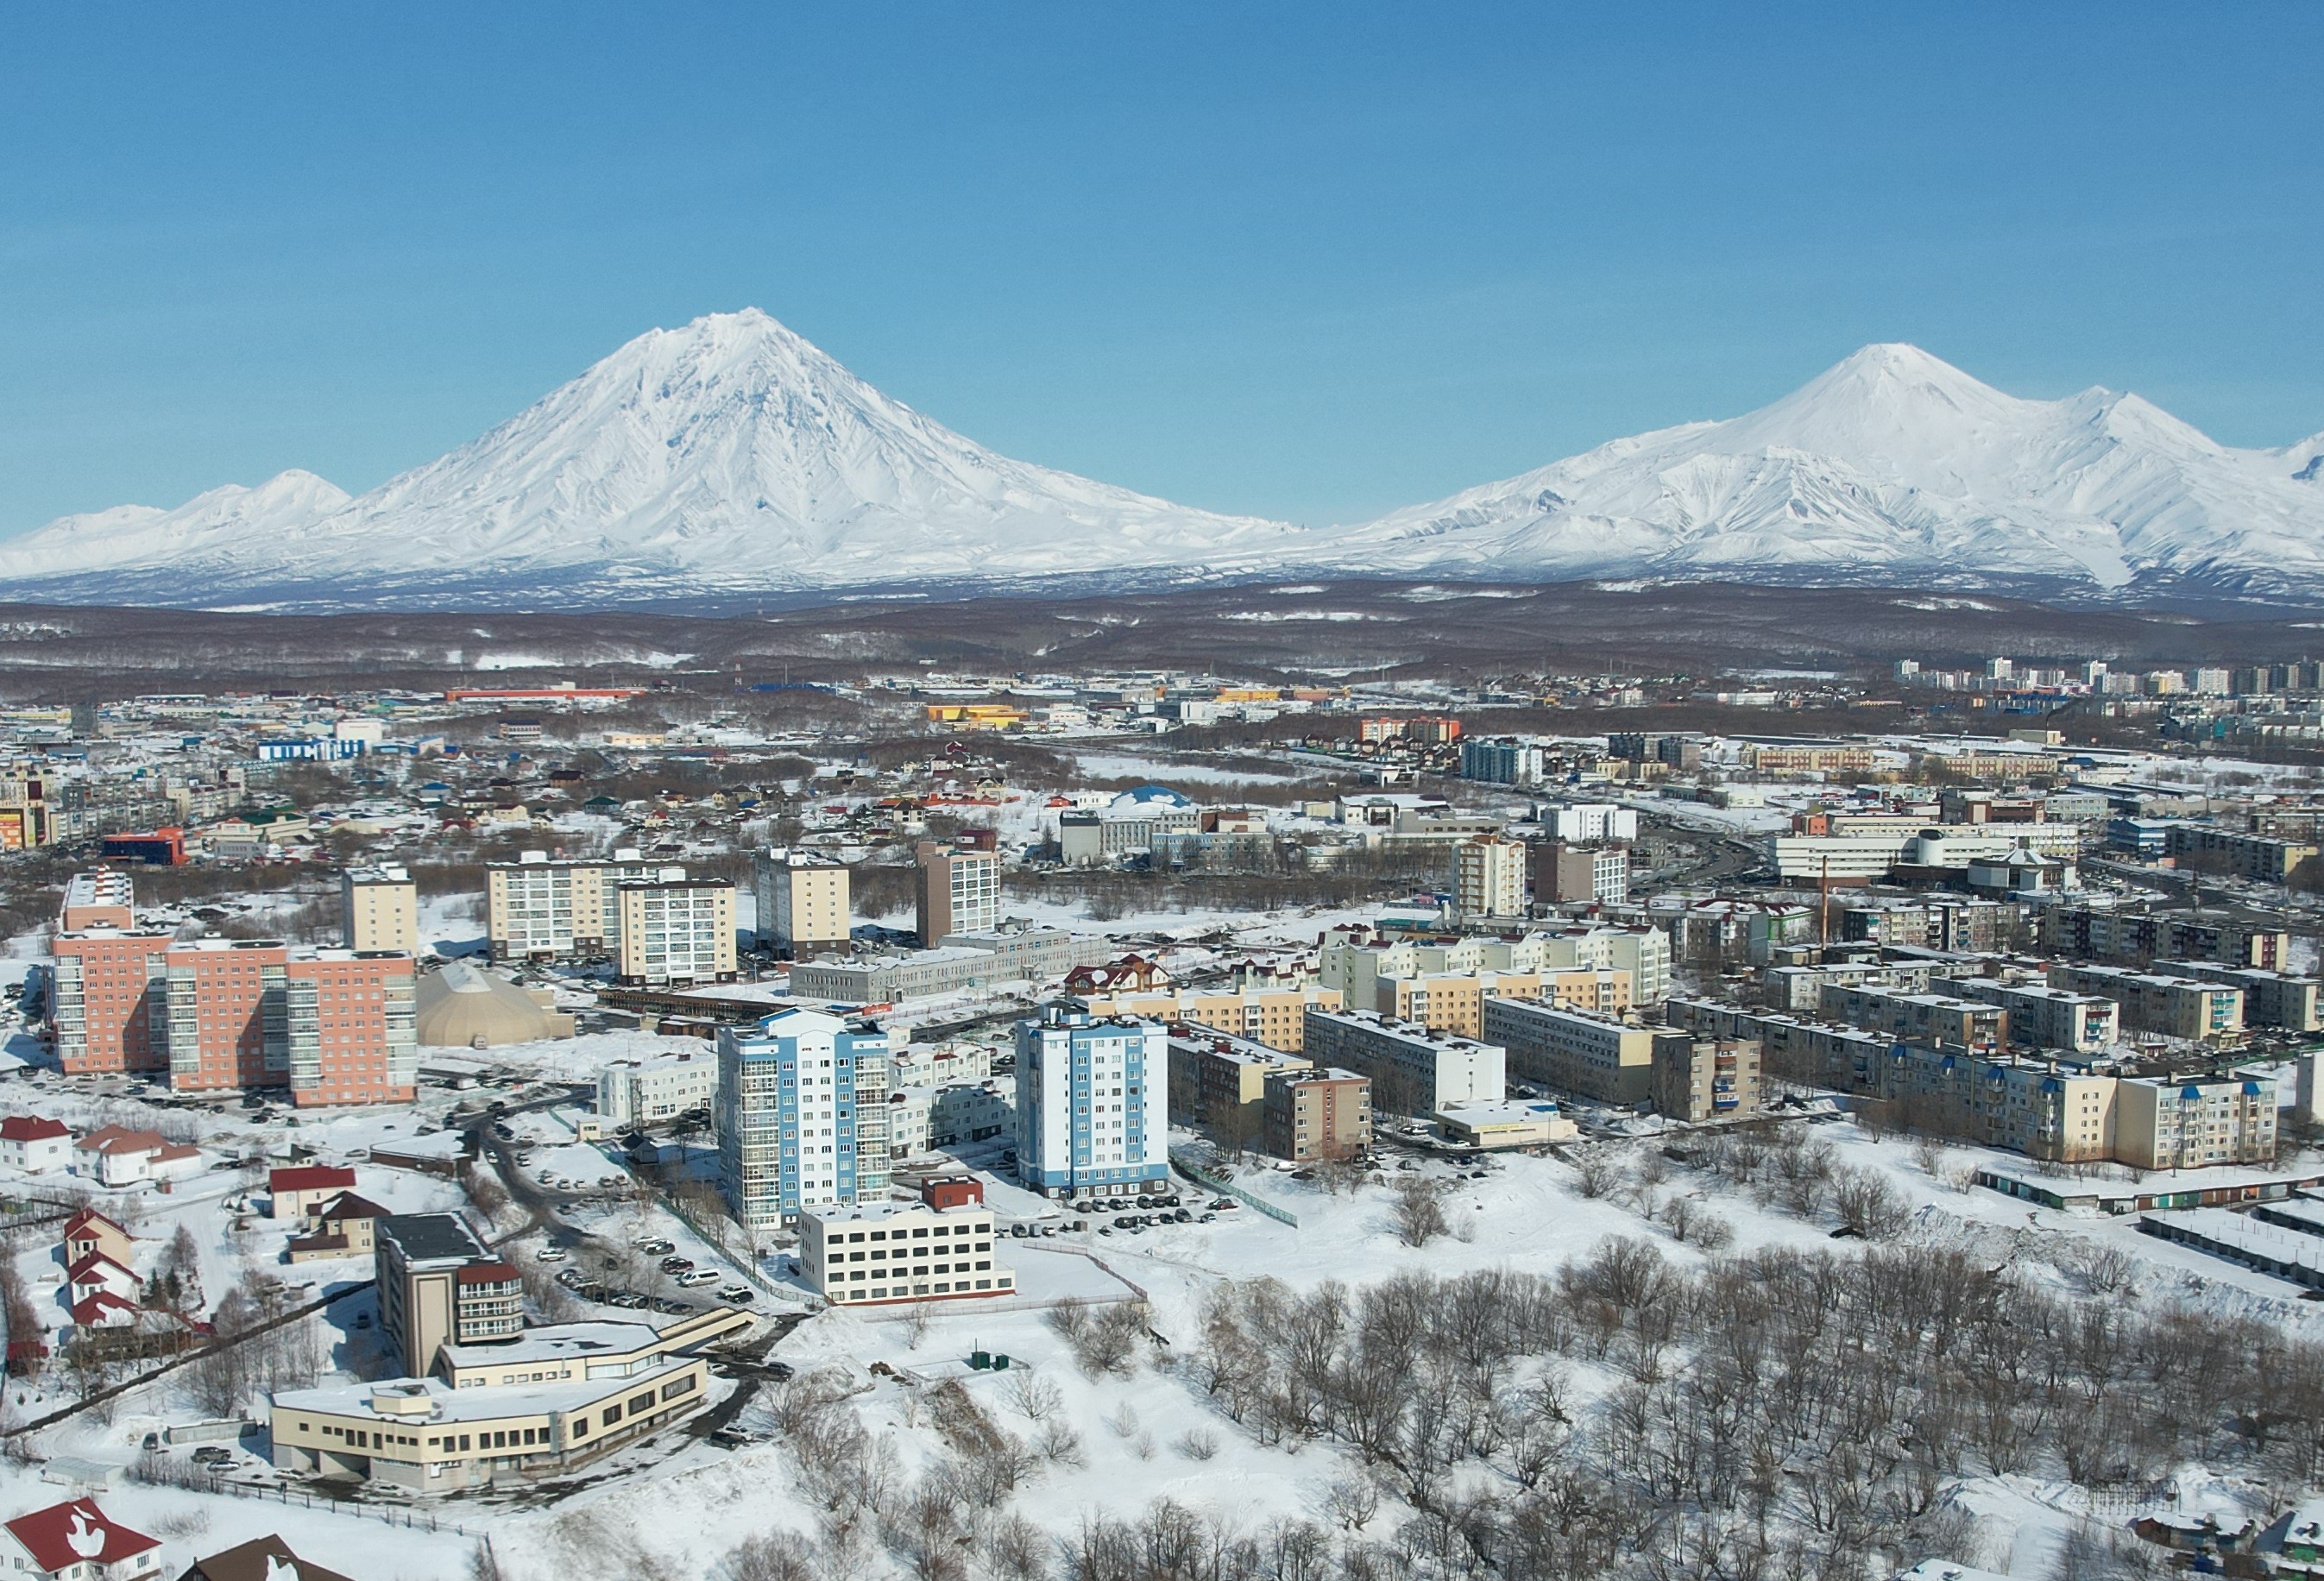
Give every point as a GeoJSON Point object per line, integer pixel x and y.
{"type": "Point", "coordinates": [676, 930]}
{"type": "Point", "coordinates": [1574, 1051]}
{"type": "Point", "coordinates": [1312, 1116]}
{"type": "Point", "coordinates": [1092, 1103]}
{"type": "Point", "coordinates": [803, 903]}
{"type": "Point", "coordinates": [438, 1286]}
{"type": "Point", "coordinates": [956, 891]}
{"type": "Point", "coordinates": [801, 1114]}
{"type": "Point", "coordinates": [1413, 1070]}
{"type": "Point", "coordinates": [937, 1249]}
{"type": "Point", "coordinates": [540, 909]}
{"type": "Point", "coordinates": [1697, 1079]}
{"type": "Point", "coordinates": [1513, 1123]}
{"type": "Point", "coordinates": [379, 909]}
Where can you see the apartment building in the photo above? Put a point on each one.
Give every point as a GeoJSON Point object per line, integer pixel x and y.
{"type": "Point", "coordinates": [2043, 1017]}
{"type": "Point", "coordinates": [1931, 1017]}
{"type": "Point", "coordinates": [1413, 1070]}
{"type": "Point", "coordinates": [1310, 1116]}
{"type": "Point", "coordinates": [2106, 934]}
{"type": "Point", "coordinates": [1488, 877]}
{"type": "Point", "coordinates": [803, 903]}
{"type": "Point", "coordinates": [939, 1248]}
{"type": "Point", "coordinates": [2260, 857]}
{"type": "Point", "coordinates": [1574, 1051]}
{"type": "Point", "coordinates": [1584, 823]}
{"type": "Point", "coordinates": [964, 960]}
{"type": "Point", "coordinates": [1277, 1017]}
{"type": "Point", "coordinates": [1697, 1079]}
{"type": "Point", "coordinates": [438, 1285]}
{"type": "Point", "coordinates": [1092, 1103]}
{"type": "Point", "coordinates": [1454, 1001]}
{"type": "Point", "coordinates": [379, 909]}
{"type": "Point", "coordinates": [956, 891]}
{"type": "Point", "coordinates": [656, 1091]}
{"type": "Point", "coordinates": [1858, 761]}
{"type": "Point", "coordinates": [801, 1116]}
{"type": "Point", "coordinates": [2156, 1002]}
{"type": "Point", "coordinates": [1581, 874]}
{"type": "Point", "coordinates": [334, 1026]}
{"type": "Point", "coordinates": [2195, 1122]}
{"type": "Point", "coordinates": [928, 1119]}
{"type": "Point", "coordinates": [104, 897]}
{"type": "Point", "coordinates": [1801, 988]}
{"type": "Point", "coordinates": [540, 909]}
{"type": "Point", "coordinates": [1943, 922]}
{"type": "Point", "coordinates": [675, 929]}
{"type": "Point", "coordinates": [1501, 761]}
{"type": "Point", "coordinates": [1356, 967]}
{"type": "Point", "coordinates": [1219, 1081]}
{"type": "Point", "coordinates": [2274, 1000]}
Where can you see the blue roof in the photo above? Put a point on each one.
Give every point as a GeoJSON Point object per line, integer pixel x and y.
{"type": "Point", "coordinates": [1161, 793]}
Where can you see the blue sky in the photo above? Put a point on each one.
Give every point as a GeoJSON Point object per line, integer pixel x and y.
{"type": "Point", "coordinates": [1306, 261]}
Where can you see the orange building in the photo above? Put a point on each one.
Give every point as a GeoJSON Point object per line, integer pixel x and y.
{"type": "Point", "coordinates": [334, 1026]}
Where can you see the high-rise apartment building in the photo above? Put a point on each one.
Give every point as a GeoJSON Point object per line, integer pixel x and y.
{"type": "Point", "coordinates": [437, 1286]}
{"type": "Point", "coordinates": [676, 930]}
{"type": "Point", "coordinates": [1584, 874]}
{"type": "Point", "coordinates": [379, 909]}
{"type": "Point", "coordinates": [801, 1116]}
{"type": "Point", "coordinates": [803, 903]}
{"type": "Point", "coordinates": [335, 1026]}
{"type": "Point", "coordinates": [1488, 877]}
{"type": "Point", "coordinates": [1092, 1103]}
{"type": "Point", "coordinates": [958, 892]}
{"type": "Point", "coordinates": [538, 907]}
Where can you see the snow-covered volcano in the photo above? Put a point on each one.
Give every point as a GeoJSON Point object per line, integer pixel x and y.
{"type": "Point", "coordinates": [731, 456]}
{"type": "Point", "coordinates": [1892, 466]}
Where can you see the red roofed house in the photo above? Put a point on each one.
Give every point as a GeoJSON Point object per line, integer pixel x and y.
{"type": "Point", "coordinates": [97, 1273]}
{"type": "Point", "coordinates": [118, 1156]}
{"type": "Point", "coordinates": [75, 1541]}
{"type": "Point", "coordinates": [341, 1227]}
{"type": "Point", "coordinates": [1131, 973]}
{"type": "Point", "coordinates": [293, 1193]}
{"type": "Point", "coordinates": [104, 1310]}
{"type": "Point", "coordinates": [90, 1231]}
{"type": "Point", "coordinates": [34, 1145]}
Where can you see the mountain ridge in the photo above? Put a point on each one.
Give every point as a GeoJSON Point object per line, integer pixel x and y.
{"type": "Point", "coordinates": [732, 457]}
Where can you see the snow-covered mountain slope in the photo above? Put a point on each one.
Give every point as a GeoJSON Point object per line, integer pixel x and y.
{"type": "Point", "coordinates": [732, 457]}
{"type": "Point", "coordinates": [728, 454]}
{"type": "Point", "coordinates": [1892, 466]}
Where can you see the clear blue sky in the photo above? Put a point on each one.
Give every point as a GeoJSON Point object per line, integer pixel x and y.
{"type": "Point", "coordinates": [1308, 261]}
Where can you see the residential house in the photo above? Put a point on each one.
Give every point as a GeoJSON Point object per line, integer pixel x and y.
{"type": "Point", "coordinates": [77, 1541]}
{"type": "Point", "coordinates": [35, 1144]}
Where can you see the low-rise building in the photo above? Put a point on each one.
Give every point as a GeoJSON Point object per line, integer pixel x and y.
{"type": "Point", "coordinates": [1309, 1115]}
{"type": "Point", "coordinates": [35, 1143]}
{"type": "Point", "coordinates": [294, 1191]}
{"type": "Point", "coordinates": [2043, 1017]}
{"type": "Point", "coordinates": [657, 1090]}
{"type": "Point", "coordinates": [1513, 1123]}
{"type": "Point", "coordinates": [344, 1226]}
{"type": "Point", "coordinates": [964, 960]}
{"type": "Point", "coordinates": [937, 1249]}
{"type": "Point", "coordinates": [113, 1155]}
{"type": "Point", "coordinates": [1219, 1081]}
{"type": "Point", "coordinates": [77, 1541]}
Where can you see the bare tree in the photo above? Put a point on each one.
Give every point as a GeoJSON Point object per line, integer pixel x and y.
{"type": "Point", "coordinates": [1418, 1210]}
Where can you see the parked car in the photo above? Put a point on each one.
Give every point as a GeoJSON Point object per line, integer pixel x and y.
{"type": "Point", "coordinates": [676, 1264]}
{"type": "Point", "coordinates": [551, 1255]}
{"type": "Point", "coordinates": [700, 1276]}
{"type": "Point", "coordinates": [741, 1295]}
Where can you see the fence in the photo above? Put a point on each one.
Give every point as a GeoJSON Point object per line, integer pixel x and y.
{"type": "Point", "coordinates": [401, 1515]}
{"type": "Point", "coordinates": [1211, 1182]}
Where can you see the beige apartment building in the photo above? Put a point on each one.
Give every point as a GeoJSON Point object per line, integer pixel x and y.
{"type": "Point", "coordinates": [1277, 1017]}
{"type": "Point", "coordinates": [1455, 1001]}
{"type": "Point", "coordinates": [379, 909]}
{"type": "Point", "coordinates": [1488, 877]}
{"type": "Point", "coordinates": [1311, 1116]}
{"type": "Point", "coordinates": [803, 903]}
{"type": "Point", "coordinates": [439, 1286]}
{"type": "Point", "coordinates": [2189, 1123]}
{"type": "Point", "coordinates": [1574, 1051]}
{"type": "Point", "coordinates": [939, 1248]}
{"type": "Point", "coordinates": [676, 930]}
{"type": "Point", "coordinates": [1705, 1079]}
{"type": "Point", "coordinates": [956, 892]}
{"type": "Point", "coordinates": [541, 909]}
{"type": "Point", "coordinates": [2156, 1002]}
{"type": "Point", "coordinates": [1219, 1081]}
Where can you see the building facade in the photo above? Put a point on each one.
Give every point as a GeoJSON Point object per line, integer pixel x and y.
{"type": "Point", "coordinates": [1313, 1116]}
{"type": "Point", "coordinates": [939, 1248]}
{"type": "Point", "coordinates": [803, 903]}
{"type": "Point", "coordinates": [801, 1116]}
{"type": "Point", "coordinates": [438, 1285]}
{"type": "Point", "coordinates": [540, 909]}
{"type": "Point", "coordinates": [654, 1092]}
{"type": "Point", "coordinates": [1488, 877]}
{"type": "Point", "coordinates": [1413, 1070]}
{"type": "Point", "coordinates": [1092, 1103]}
{"type": "Point", "coordinates": [1705, 1079]}
{"type": "Point", "coordinates": [1574, 1051]}
{"type": "Point", "coordinates": [676, 930]}
{"type": "Point", "coordinates": [956, 892]}
{"type": "Point", "coordinates": [379, 909]}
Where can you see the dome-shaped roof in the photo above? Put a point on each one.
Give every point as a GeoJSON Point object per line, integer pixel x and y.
{"type": "Point", "coordinates": [463, 1006]}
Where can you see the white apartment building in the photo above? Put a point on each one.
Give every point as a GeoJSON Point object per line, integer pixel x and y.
{"type": "Point", "coordinates": [675, 929]}
{"type": "Point", "coordinates": [647, 1091]}
{"type": "Point", "coordinates": [957, 891]}
{"type": "Point", "coordinates": [923, 1120]}
{"type": "Point", "coordinates": [1092, 1101]}
{"type": "Point", "coordinates": [537, 909]}
{"type": "Point", "coordinates": [1590, 822]}
{"type": "Point", "coordinates": [379, 909]}
{"type": "Point", "coordinates": [803, 901]}
{"type": "Point", "coordinates": [802, 1114]}
{"type": "Point", "coordinates": [1488, 877]}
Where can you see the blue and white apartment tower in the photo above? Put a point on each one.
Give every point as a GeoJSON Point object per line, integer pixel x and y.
{"type": "Point", "coordinates": [1092, 1103]}
{"type": "Point", "coordinates": [802, 1115]}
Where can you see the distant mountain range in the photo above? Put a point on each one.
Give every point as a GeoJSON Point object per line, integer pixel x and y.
{"type": "Point", "coordinates": [732, 459]}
